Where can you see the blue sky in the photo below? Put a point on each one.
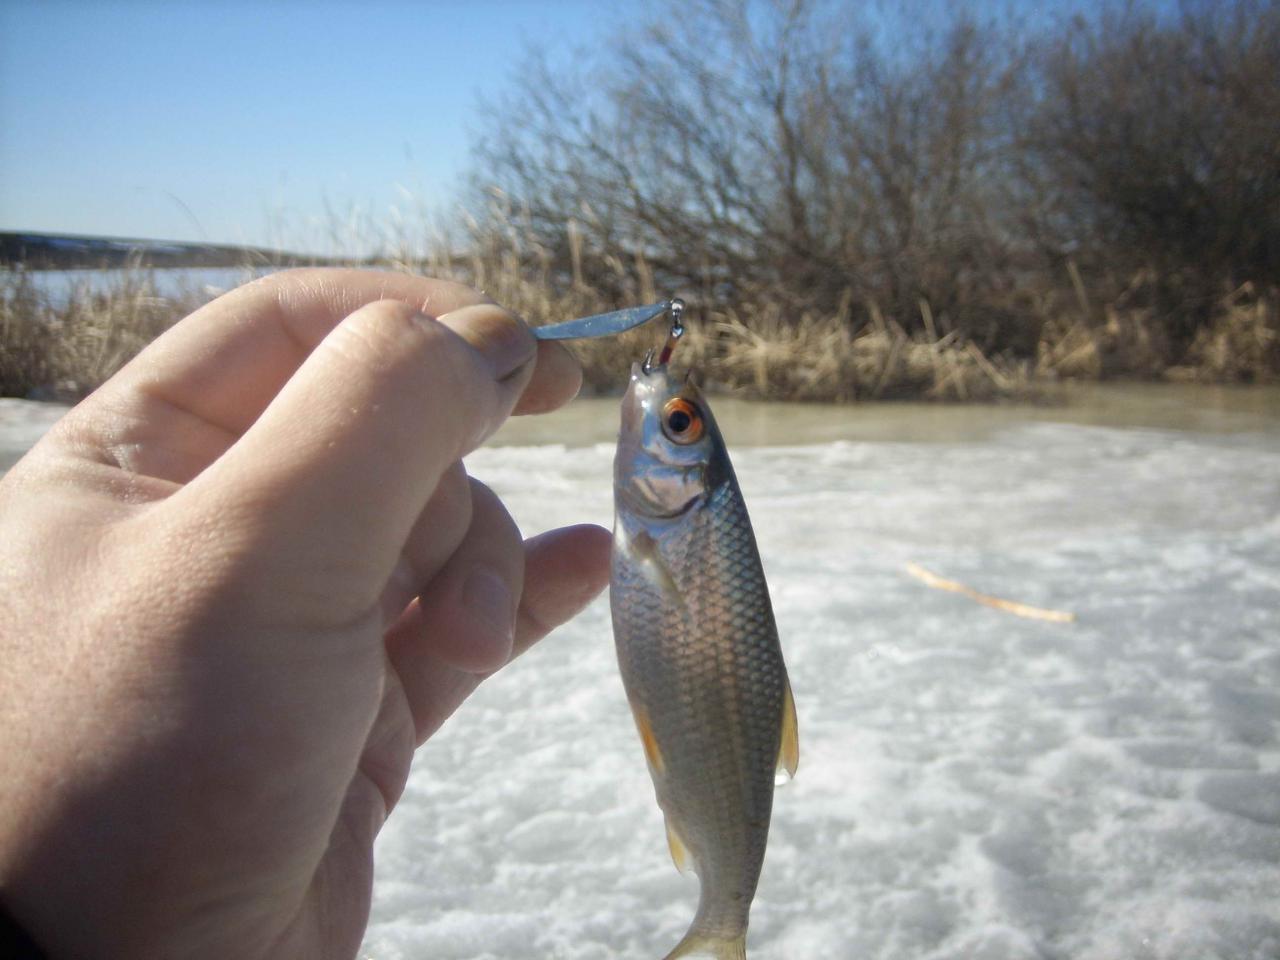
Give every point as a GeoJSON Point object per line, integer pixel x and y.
{"type": "Point", "coordinates": [257, 122]}
{"type": "Point", "coordinates": [279, 122]}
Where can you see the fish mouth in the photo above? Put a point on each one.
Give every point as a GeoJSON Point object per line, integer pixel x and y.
{"type": "Point", "coordinates": [647, 370]}
{"type": "Point", "coordinates": [645, 388]}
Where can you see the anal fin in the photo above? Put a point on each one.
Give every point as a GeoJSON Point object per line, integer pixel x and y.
{"type": "Point", "coordinates": [789, 749]}
{"type": "Point", "coordinates": [680, 854]}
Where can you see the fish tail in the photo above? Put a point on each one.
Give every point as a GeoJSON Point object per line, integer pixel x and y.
{"type": "Point", "coordinates": [698, 944]}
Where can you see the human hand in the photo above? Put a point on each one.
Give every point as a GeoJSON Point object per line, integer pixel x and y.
{"type": "Point", "coordinates": [238, 585]}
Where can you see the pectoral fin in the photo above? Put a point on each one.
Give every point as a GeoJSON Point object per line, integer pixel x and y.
{"type": "Point", "coordinates": [789, 751]}
{"type": "Point", "coordinates": [647, 556]}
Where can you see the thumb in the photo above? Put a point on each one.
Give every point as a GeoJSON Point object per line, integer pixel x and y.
{"type": "Point", "coordinates": [331, 477]}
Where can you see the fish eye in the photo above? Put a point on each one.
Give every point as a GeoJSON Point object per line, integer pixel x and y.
{"type": "Point", "coordinates": [681, 420]}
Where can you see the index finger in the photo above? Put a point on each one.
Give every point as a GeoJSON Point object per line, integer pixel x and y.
{"type": "Point", "coordinates": [189, 395]}
{"type": "Point", "coordinates": [226, 361]}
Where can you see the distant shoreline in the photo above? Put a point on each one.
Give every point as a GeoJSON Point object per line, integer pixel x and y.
{"type": "Point", "coordinates": [52, 251]}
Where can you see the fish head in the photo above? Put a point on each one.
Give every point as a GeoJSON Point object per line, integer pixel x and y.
{"type": "Point", "coordinates": [670, 451]}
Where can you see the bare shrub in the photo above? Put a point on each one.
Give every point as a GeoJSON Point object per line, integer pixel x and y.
{"type": "Point", "coordinates": [828, 154]}
{"type": "Point", "coordinates": [735, 143]}
{"type": "Point", "coordinates": [1155, 135]}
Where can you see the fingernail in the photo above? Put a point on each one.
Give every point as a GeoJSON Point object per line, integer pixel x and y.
{"type": "Point", "coordinates": [499, 335]}
{"type": "Point", "coordinates": [488, 600]}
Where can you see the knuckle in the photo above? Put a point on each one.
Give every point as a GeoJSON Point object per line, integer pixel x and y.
{"type": "Point", "coordinates": [384, 332]}
{"type": "Point", "coordinates": [390, 337]}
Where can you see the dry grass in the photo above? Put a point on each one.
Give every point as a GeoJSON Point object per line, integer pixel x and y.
{"type": "Point", "coordinates": [65, 347]}
{"type": "Point", "coordinates": [1241, 344]}
{"type": "Point", "coordinates": [760, 352]}
{"type": "Point", "coordinates": [760, 346]}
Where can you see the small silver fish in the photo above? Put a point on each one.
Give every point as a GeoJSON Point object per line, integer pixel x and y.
{"type": "Point", "coordinates": [698, 649]}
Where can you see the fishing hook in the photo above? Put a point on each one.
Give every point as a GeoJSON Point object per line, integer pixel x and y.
{"type": "Point", "coordinates": [676, 309]}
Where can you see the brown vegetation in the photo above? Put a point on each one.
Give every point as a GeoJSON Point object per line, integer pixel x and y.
{"type": "Point", "coordinates": [763, 348]}
{"type": "Point", "coordinates": [856, 207]}
{"type": "Point", "coordinates": [1088, 197]}
{"type": "Point", "coordinates": [65, 347]}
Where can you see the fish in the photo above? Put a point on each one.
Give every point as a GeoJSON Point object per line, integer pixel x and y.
{"type": "Point", "coordinates": [698, 649]}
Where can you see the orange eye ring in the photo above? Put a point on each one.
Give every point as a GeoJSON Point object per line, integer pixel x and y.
{"type": "Point", "coordinates": [682, 421]}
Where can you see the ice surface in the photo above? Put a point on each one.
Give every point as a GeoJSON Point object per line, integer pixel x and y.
{"type": "Point", "coordinates": [22, 423]}
{"type": "Point", "coordinates": [972, 785]}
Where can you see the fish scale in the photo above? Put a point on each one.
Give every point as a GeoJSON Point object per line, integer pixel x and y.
{"type": "Point", "coordinates": [698, 651]}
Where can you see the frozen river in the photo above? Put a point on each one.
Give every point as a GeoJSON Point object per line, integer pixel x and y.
{"type": "Point", "coordinates": [972, 784]}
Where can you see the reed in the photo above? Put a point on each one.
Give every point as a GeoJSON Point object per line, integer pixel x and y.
{"type": "Point", "coordinates": [1130, 339]}
{"type": "Point", "coordinates": [758, 344]}
{"type": "Point", "coordinates": [64, 346]}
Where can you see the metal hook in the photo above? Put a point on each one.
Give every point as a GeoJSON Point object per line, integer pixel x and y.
{"type": "Point", "coordinates": [676, 309]}
{"type": "Point", "coordinates": [677, 331]}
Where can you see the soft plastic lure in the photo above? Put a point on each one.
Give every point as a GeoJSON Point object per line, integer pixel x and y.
{"type": "Point", "coordinates": [608, 324]}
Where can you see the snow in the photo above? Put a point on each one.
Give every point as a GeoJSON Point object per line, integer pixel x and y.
{"type": "Point", "coordinates": [22, 423]}
{"type": "Point", "coordinates": [972, 785]}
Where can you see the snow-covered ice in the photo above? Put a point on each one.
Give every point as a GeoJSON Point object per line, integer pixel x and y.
{"type": "Point", "coordinates": [22, 423]}
{"type": "Point", "coordinates": [972, 786]}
